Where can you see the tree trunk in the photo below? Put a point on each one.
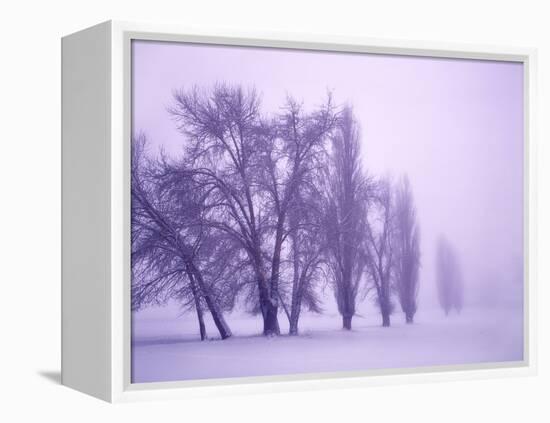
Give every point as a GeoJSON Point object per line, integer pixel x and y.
{"type": "Point", "coordinates": [198, 307]}
{"type": "Point", "coordinates": [293, 328]}
{"type": "Point", "coordinates": [385, 311]}
{"type": "Point", "coordinates": [385, 319]}
{"type": "Point", "coordinates": [346, 321]}
{"type": "Point", "coordinates": [296, 297]}
{"type": "Point", "coordinates": [295, 310]}
{"type": "Point", "coordinates": [202, 327]}
{"type": "Point", "coordinates": [269, 314]}
{"type": "Point", "coordinates": [409, 318]}
{"type": "Point", "coordinates": [285, 308]}
{"type": "Point", "coordinates": [268, 307]}
{"type": "Point", "coordinates": [348, 301]}
{"type": "Point", "coordinates": [294, 315]}
{"type": "Point", "coordinates": [271, 322]}
{"type": "Point", "coordinates": [215, 311]}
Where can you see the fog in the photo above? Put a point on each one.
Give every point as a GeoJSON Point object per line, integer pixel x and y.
{"type": "Point", "coordinates": [454, 126]}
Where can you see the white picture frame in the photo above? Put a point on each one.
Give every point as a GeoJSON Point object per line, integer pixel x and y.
{"type": "Point", "coordinates": [96, 227]}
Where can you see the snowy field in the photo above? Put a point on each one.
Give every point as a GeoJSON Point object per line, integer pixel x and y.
{"type": "Point", "coordinates": [166, 348]}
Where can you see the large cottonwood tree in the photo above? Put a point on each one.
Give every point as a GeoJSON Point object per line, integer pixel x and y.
{"type": "Point", "coordinates": [251, 167]}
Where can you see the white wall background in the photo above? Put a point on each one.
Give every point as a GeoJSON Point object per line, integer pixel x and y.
{"type": "Point", "coordinates": [30, 207]}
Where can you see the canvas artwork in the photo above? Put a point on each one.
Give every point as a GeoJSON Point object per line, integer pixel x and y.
{"type": "Point", "coordinates": [315, 212]}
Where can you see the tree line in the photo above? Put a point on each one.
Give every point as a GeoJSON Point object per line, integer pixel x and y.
{"type": "Point", "coordinates": [267, 210]}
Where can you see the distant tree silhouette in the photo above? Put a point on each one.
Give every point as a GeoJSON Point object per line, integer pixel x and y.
{"type": "Point", "coordinates": [407, 240]}
{"type": "Point", "coordinates": [449, 277]}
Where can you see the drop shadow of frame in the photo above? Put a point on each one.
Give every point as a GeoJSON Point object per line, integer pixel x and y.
{"type": "Point", "coordinates": [54, 376]}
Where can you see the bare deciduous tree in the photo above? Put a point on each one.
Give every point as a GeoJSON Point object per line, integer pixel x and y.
{"type": "Point", "coordinates": [380, 246]}
{"type": "Point", "coordinates": [251, 169]}
{"type": "Point", "coordinates": [166, 240]}
{"type": "Point", "coordinates": [307, 245]}
{"type": "Point", "coordinates": [223, 130]}
{"type": "Point", "coordinates": [301, 154]}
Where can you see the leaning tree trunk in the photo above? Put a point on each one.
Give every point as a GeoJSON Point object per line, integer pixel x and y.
{"type": "Point", "coordinates": [295, 310]}
{"type": "Point", "coordinates": [198, 307]}
{"type": "Point", "coordinates": [202, 327]}
{"type": "Point", "coordinates": [215, 310]}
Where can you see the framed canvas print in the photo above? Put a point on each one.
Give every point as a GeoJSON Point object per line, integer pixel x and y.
{"type": "Point", "coordinates": [256, 212]}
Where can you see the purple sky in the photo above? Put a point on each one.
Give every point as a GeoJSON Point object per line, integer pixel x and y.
{"type": "Point", "coordinates": [455, 126]}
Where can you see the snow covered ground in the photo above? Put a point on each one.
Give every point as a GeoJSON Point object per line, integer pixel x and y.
{"type": "Point", "coordinates": [166, 348]}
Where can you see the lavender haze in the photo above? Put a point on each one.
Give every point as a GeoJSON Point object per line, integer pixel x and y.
{"type": "Point", "coordinates": [452, 128]}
